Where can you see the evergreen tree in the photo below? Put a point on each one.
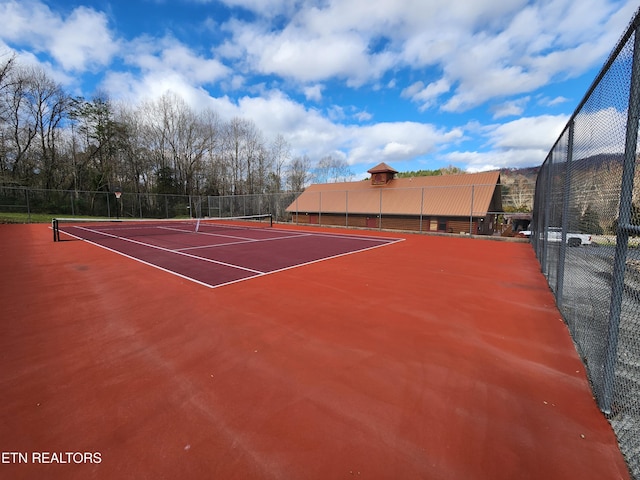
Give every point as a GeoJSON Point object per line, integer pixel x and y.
{"type": "Point", "coordinates": [590, 222]}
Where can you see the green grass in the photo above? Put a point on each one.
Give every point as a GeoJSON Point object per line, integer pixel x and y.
{"type": "Point", "coordinates": [20, 217]}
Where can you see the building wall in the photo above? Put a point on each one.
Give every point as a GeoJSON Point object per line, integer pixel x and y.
{"type": "Point", "coordinates": [397, 222]}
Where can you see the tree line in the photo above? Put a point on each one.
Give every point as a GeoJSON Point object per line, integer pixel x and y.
{"type": "Point", "coordinates": [50, 139]}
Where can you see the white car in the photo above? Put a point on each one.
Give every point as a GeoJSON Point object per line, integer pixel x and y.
{"type": "Point", "coordinates": [573, 239]}
{"type": "Point", "coordinates": [554, 234]}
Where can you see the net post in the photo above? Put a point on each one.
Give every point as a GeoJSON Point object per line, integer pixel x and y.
{"type": "Point", "coordinates": [270, 220]}
{"type": "Point", "coordinates": [54, 227]}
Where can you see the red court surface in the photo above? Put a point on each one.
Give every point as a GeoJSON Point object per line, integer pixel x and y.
{"type": "Point", "coordinates": [429, 358]}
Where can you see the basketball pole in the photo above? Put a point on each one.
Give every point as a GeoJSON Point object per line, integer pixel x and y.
{"type": "Point", "coordinates": [118, 195]}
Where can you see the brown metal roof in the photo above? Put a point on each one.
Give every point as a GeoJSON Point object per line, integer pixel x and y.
{"type": "Point", "coordinates": [382, 168]}
{"type": "Point", "coordinates": [444, 195]}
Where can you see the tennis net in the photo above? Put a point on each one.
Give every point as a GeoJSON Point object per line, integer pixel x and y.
{"type": "Point", "coordinates": [100, 228]}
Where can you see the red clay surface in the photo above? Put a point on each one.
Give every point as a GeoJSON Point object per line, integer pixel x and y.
{"type": "Point", "coordinates": [431, 358]}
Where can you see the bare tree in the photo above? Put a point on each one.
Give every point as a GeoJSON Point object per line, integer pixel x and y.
{"type": "Point", "coordinates": [233, 146]}
{"type": "Point", "coordinates": [280, 155]}
{"type": "Point", "coordinates": [298, 173]}
{"type": "Point", "coordinates": [49, 139]}
{"type": "Point", "coordinates": [332, 169]}
{"type": "Point", "coordinates": [6, 68]}
{"type": "Point", "coordinates": [180, 141]}
{"type": "Point", "coordinates": [49, 105]}
{"type": "Point", "coordinates": [18, 125]}
{"type": "Point", "coordinates": [136, 166]}
{"type": "Point", "coordinates": [245, 156]}
{"type": "Point", "coordinates": [518, 194]}
{"type": "Point", "coordinates": [254, 156]}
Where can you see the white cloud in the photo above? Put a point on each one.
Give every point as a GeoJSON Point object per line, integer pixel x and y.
{"type": "Point", "coordinates": [303, 55]}
{"type": "Point", "coordinates": [78, 42]}
{"type": "Point", "coordinates": [170, 57]}
{"type": "Point", "coordinates": [314, 135]}
{"type": "Point", "coordinates": [267, 8]}
{"type": "Point", "coordinates": [550, 102]}
{"type": "Point", "coordinates": [527, 133]}
{"type": "Point", "coordinates": [523, 142]}
{"type": "Point", "coordinates": [127, 87]}
{"type": "Point", "coordinates": [397, 141]}
{"type": "Point", "coordinates": [451, 55]}
{"type": "Point", "coordinates": [427, 95]}
{"type": "Point", "coordinates": [600, 131]}
{"type": "Point", "coordinates": [523, 49]}
{"type": "Point", "coordinates": [83, 40]}
{"type": "Point", "coordinates": [512, 108]}
{"type": "Point", "coordinates": [313, 93]}
{"type": "Point", "coordinates": [362, 116]}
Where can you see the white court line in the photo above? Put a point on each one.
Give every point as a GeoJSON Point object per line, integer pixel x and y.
{"type": "Point", "coordinates": [181, 230]}
{"type": "Point", "coordinates": [145, 262]}
{"type": "Point", "coordinates": [253, 240]}
{"type": "Point", "coordinates": [344, 235]}
{"type": "Point", "coordinates": [221, 234]}
{"type": "Point", "coordinates": [396, 240]}
{"type": "Point", "coordinates": [258, 272]}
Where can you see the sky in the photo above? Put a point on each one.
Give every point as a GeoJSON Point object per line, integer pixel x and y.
{"type": "Point", "coordinates": [417, 84]}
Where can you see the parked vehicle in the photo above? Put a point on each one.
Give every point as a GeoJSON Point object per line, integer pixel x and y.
{"type": "Point", "coordinates": [554, 234]}
{"type": "Point", "coordinates": [573, 239]}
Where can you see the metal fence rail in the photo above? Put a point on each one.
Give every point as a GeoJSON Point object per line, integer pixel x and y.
{"type": "Point", "coordinates": [419, 209]}
{"type": "Point", "coordinates": [146, 205]}
{"type": "Point", "coordinates": [140, 205]}
{"type": "Point", "coordinates": [588, 188]}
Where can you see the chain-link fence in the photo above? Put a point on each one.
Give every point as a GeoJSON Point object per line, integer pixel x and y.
{"type": "Point", "coordinates": [339, 208]}
{"type": "Point", "coordinates": [31, 201]}
{"type": "Point", "coordinates": [585, 231]}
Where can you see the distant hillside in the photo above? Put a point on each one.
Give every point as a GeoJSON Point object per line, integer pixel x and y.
{"type": "Point", "coordinates": [518, 185]}
{"type": "Point", "coordinates": [450, 170]}
{"type": "Point", "coordinates": [527, 172]}
{"type": "Point", "coordinates": [593, 178]}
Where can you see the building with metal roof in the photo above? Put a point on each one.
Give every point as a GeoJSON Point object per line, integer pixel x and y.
{"type": "Point", "coordinates": [464, 203]}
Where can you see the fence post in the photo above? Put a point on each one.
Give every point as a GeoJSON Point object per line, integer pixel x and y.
{"type": "Point", "coordinates": [471, 213]}
{"type": "Point", "coordinates": [545, 220]}
{"type": "Point", "coordinates": [421, 206]}
{"type": "Point", "coordinates": [562, 254]}
{"type": "Point", "coordinates": [622, 233]}
{"type": "Point", "coordinates": [26, 194]}
{"type": "Point", "coordinates": [380, 214]}
{"type": "Point", "coordinates": [346, 208]}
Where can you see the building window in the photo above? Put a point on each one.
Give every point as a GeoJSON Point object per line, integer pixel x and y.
{"type": "Point", "coordinates": [442, 225]}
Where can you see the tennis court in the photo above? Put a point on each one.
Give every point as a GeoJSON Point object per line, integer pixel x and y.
{"type": "Point", "coordinates": [431, 357]}
{"type": "Point", "coordinates": [216, 252]}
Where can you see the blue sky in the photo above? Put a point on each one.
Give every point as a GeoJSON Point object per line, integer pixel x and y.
{"type": "Point", "coordinates": [418, 84]}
